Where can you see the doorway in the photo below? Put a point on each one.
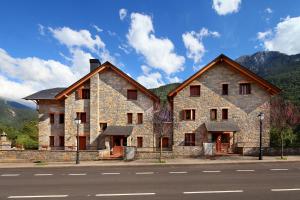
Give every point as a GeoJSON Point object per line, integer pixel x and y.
{"type": "Point", "coordinates": [222, 142]}
{"type": "Point", "coordinates": [82, 142]}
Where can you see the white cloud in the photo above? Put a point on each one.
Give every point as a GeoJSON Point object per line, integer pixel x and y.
{"type": "Point", "coordinates": [125, 48]}
{"type": "Point", "coordinates": [122, 13]}
{"type": "Point", "coordinates": [158, 52]}
{"type": "Point", "coordinates": [41, 29]}
{"type": "Point", "coordinates": [151, 80]}
{"type": "Point", "coordinates": [285, 37]}
{"type": "Point", "coordinates": [174, 79]}
{"type": "Point", "coordinates": [194, 44]}
{"type": "Point", "coordinates": [224, 7]}
{"type": "Point", "coordinates": [97, 28]}
{"type": "Point", "coordinates": [81, 38]}
{"type": "Point", "coordinates": [268, 10]}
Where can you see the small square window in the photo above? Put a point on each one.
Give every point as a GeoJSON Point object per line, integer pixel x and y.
{"type": "Point", "coordinates": [85, 94]}
{"type": "Point", "coordinates": [132, 94]}
{"type": "Point", "coordinates": [195, 90]}
{"type": "Point", "coordinates": [189, 139]}
{"type": "Point", "coordinates": [245, 88]}
{"type": "Point", "coordinates": [189, 114]}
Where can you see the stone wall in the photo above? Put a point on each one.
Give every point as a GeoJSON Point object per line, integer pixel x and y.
{"type": "Point", "coordinates": [271, 151]}
{"type": "Point", "coordinates": [48, 156]}
{"type": "Point", "coordinates": [242, 109]}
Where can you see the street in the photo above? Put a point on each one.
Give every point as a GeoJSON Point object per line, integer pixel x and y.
{"type": "Point", "coordinates": [219, 181]}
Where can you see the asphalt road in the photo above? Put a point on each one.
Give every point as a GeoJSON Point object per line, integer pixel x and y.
{"type": "Point", "coordinates": [262, 181]}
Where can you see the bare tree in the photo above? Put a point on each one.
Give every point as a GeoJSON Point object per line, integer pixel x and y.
{"type": "Point", "coordinates": [284, 114]}
{"type": "Point", "coordinates": [164, 122]}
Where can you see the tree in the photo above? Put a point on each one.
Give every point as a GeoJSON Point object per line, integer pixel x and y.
{"type": "Point", "coordinates": [284, 117]}
{"type": "Point", "coordinates": [164, 122]}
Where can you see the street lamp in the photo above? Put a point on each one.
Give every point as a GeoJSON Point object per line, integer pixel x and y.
{"type": "Point", "coordinates": [77, 122]}
{"type": "Point", "coordinates": [261, 118]}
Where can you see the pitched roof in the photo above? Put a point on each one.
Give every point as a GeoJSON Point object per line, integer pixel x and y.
{"type": "Point", "coordinates": [221, 126]}
{"type": "Point", "coordinates": [272, 89]}
{"type": "Point", "coordinates": [45, 94]}
{"type": "Point", "coordinates": [102, 68]}
{"type": "Point", "coordinates": [118, 130]}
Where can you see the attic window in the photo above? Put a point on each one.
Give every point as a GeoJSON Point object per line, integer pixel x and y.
{"type": "Point", "coordinates": [85, 94]}
{"type": "Point", "coordinates": [195, 90]}
{"type": "Point", "coordinates": [245, 88]}
{"type": "Point", "coordinates": [132, 94]}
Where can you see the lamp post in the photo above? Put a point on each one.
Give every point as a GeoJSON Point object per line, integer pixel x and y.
{"type": "Point", "coordinates": [261, 118]}
{"type": "Point", "coordinates": [77, 122]}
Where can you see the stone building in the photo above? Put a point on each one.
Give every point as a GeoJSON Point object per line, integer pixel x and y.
{"type": "Point", "coordinates": [114, 111]}
{"type": "Point", "coordinates": [217, 106]}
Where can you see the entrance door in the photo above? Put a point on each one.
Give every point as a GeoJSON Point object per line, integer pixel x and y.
{"type": "Point", "coordinates": [118, 142]}
{"type": "Point", "coordinates": [82, 142]}
{"type": "Point", "coordinates": [165, 142]}
{"type": "Point", "coordinates": [219, 143]}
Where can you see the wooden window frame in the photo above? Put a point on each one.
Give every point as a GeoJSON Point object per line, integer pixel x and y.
{"type": "Point", "coordinates": [61, 119]}
{"type": "Point", "coordinates": [211, 114]}
{"type": "Point", "coordinates": [245, 88]}
{"type": "Point", "coordinates": [225, 92]}
{"type": "Point", "coordinates": [61, 141]}
{"type": "Point", "coordinates": [129, 118]}
{"type": "Point", "coordinates": [139, 142]}
{"type": "Point", "coordinates": [195, 90]}
{"type": "Point", "coordinates": [52, 118]}
{"type": "Point", "coordinates": [192, 114]}
{"type": "Point", "coordinates": [130, 95]}
{"type": "Point", "coordinates": [225, 114]}
{"type": "Point", "coordinates": [189, 139]}
{"type": "Point", "coordinates": [51, 141]}
{"type": "Point", "coordinates": [140, 118]}
{"type": "Point", "coordinates": [85, 93]}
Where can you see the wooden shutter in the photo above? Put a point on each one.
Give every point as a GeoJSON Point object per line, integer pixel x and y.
{"type": "Point", "coordinates": [129, 118]}
{"type": "Point", "coordinates": [140, 118]}
{"type": "Point", "coordinates": [51, 141]}
{"type": "Point", "coordinates": [83, 117]}
{"type": "Point", "coordinates": [195, 90]}
{"type": "Point", "coordinates": [139, 142]}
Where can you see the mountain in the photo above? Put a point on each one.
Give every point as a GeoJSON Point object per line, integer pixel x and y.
{"type": "Point", "coordinates": [280, 69]}
{"type": "Point", "coordinates": [15, 114]}
{"type": "Point", "coordinates": [163, 91]}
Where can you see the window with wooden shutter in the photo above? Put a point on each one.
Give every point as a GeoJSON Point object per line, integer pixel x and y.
{"type": "Point", "coordinates": [245, 88]}
{"type": "Point", "coordinates": [189, 139]}
{"type": "Point", "coordinates": [140, 118]}
{"type": "Point", "coordinates": [129, 118]}
{"type": "Point", "coordinates": [85, 94]}
{"type": "Point", "coordinates": [132, 94]}
{"type": "Point", "coordinates": [224, 114]}
{"type": "Point", "coordinates": [51, 141]}
{"type": "Point", "coordinates": [139, 142]}
{"type": "Point", "coordinates": [51, 115]}
{"type": "Point", "coordinates": [213, 114]}
{"type": "Point", "coordinates": [61, 118]}
{"type": "Point", "coordinates": [224, 89]}
{"type": "Point", "coordinates": [61, 141]}
{"type": "Point", "coordinates": [195, 90]}
{"type": "Point", "coordinates": [189, 114]}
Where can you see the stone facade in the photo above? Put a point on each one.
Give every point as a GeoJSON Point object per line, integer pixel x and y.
{"type": "Point", "coordinates": [242, 110]}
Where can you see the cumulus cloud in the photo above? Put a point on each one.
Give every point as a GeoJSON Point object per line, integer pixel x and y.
{"type": "Point", "coordinates": [285, 37]}
{"type": "Point", "coordinates": [268, 10]}
{"type": "Point", "coordinates": [150, 80]}
{"type": "Point", "coordinates": [158, 52]}
{"type": "Point", "coordinates": [193, 42]}
{"type": "Point", "coordinates": [122, 13]}
{"type": "Point", "coordinates": [224, 7]}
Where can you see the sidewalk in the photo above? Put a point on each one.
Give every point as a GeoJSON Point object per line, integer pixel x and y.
{"type": "Point", "coordinates": [149, 162]}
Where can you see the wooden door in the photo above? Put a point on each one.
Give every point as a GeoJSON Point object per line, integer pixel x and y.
{"type": "Point", "coordinates": [219, 143]}
{"type": "Point", "coordinates": [165, 142]}
{"type": "Point", "coordinates": [82, 142]}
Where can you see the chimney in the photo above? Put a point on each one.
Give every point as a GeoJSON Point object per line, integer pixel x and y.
{"type": "Point", "coordinates": [94, 63]}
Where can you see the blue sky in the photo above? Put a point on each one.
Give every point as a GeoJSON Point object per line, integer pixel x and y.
{"type": "Point", "coordinates": [47, 44]}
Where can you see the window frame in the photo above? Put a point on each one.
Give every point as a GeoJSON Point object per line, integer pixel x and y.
{"type": "Point", "coordinates": [194, 88]}
{"type": "Point", "coordinates": [130, 96]}
{"type": "Point", "coordinates": [61, 119]}
{"type": "Point", "coordinates": [192, 114]}
{"type": "Point", "coordinates": [61, 141]}
{"type": "Point", "coordinates": [51, 141]}
{"type": "Point", "coordinates": [139, 142]}
{"type": "Point", "coordinates": [103, 125]}
{"type": "Point", "coordinates": [51, 118]}
{"type": "Point", "coordinates": [80, 115]}
{"type": "Point", "coordinates": [189, 139]}
{"type": "Point", "coordinates": [85, 93]}
{"type": "Point", "coordinates": [223, 114]}
{"type": "Point", "coordinates": [225, 92]}
{"type": "Point", "coordinates": [129, 118]}
{"type": "Point", "coordinates": [140, 118]}
{"type": "Point", "coordinates": [246, 90]}
{"type": "Point", "coordinates": [216, 114]}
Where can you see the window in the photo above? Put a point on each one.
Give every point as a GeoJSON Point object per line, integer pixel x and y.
{"type": "Point", "coordinates": [85, 94]}
{"type": "Point", "coordinates": [51, 118]}
{"type": "Point", "coordinates": [189, 139]}
{"type": "Point", "coordinates": [81, 116]}
{"type": "Point", "coordinates": [224, 114]}
{"type": "Point", "coordinates": [140, 118]}
{"type": "Point", "coordinates": [195, 90]}
{"type": "Point", "coordinates": [132, 94]}
{"type": "Point", "coordinates": [61, 141]}
{"type": "Point", "coordinates": [51, 141]}
{"type": "Point", "coordinates": [189, 114]}
{"type": "Point", "coordinates": [224, 89]}
{"type": "Point", "coordinates": [129, 118]}
{"type": "Point", "coordinates": [245, 88]}
{"type": "Point", "coordinates": [61, 118]}
{"type": "Point", "coordinates": [213, 114]}
{"type": "Point", "coordinates": [139, 142]}
{"type": "Point", "coordinates": [103, 126]}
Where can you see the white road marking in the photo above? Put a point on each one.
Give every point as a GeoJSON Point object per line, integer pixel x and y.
{"type": "Point", "coordinates": [245, 170]}
{"type": "Point", "coordinates": [38, 196]}
{"type": "Point", "coordinates": [279, 169]}
{"type": "Point", "coordinates": [111, 173]}
{"type": "Point", "coordinates": [217, 171]}
{"type": "Point", "coordinates": [140, 173]}
{"type": "Point", "coordinates": [10, 175]}
{"type": "Point", "coordinates": [214, 192]}
{"type": "Point", "coordinates": [82, 174]}
{"type": "Point", "coordinates": [285, 190]}
{"type": "Point", "coordinates": [125, 194]}
{"type": "Point", "coordinates": [43, 174]}
{"type": "Point", "coordinates": [177, 172]}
